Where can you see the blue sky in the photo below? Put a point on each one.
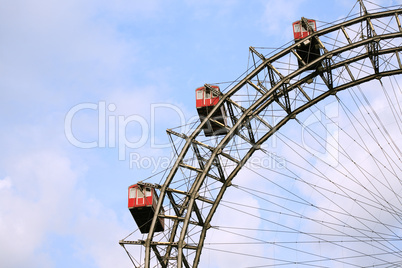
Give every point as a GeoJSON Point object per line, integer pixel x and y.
{"type": "Point", "coordinates": [65, 206]}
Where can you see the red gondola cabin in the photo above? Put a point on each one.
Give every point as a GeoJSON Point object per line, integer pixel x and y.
{"type": "Point", "coordinates": [142, 203]}
{"type": "Point", "coordinates": [205, 102]}
{"type": "Point", "coordinates": [308, 50]}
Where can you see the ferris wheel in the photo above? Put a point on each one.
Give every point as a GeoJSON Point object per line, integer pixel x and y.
{"type": "Point", "coordinates": [297, 163]}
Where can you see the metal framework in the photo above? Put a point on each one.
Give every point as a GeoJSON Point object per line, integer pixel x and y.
{"type": "Point", "coordinates": [285, 95]}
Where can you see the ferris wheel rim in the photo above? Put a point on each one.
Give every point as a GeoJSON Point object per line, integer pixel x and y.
{"type": "Point", "coordinates": [262, 101]}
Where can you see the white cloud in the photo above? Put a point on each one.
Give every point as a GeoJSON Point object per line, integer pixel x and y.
{"type": "Point", "coordinates": [42, 197]}
{"type": "Point", "coordinates": [58, 55]}
{"type": "Point", "coordinates": [56, 52]}
{"type": "Point", "coordinates": [212, 8]}
{"type": "Point", "coordinates": [381, 3]}
{"type": "Point", "coordinates": [5, 183]}
{"type": "Point", "coordinates": [229, 241]}
{"type": "Point", "coordinates": [36, 201]}
{"type": "Point", "coordinates": [98, 231]}
{"type": "Point", "coordinates": [278, 16]}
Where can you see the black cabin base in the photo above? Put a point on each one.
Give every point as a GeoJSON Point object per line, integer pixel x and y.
{"type": "Point", "coordinates": [212, 128]}
{"type": "Point", "coordinates": [143, 217]}
{"type": "Point", "coordinates": [309, 51]}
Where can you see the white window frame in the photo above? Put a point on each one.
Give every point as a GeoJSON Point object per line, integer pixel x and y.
{"type": "Point", "coordinates": [133, 192]}
{"type": "Point", "coordinates": [148, 192]}
{"type": "Point", "coordinates": [207, 95]}
{"type": "Point", "coordinates": [140, 193]}
{"type": "Point", "coordinates": [200, 94]}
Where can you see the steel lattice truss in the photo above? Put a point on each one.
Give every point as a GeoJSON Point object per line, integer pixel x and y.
{"type": "Point", "coordinates": [273, 93]}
